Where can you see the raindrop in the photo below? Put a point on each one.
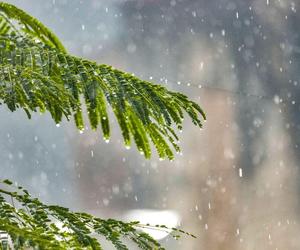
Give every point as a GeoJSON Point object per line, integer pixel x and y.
{"type": "Point", "coordinates": [116, 189]}
{"type": "Point", "coordinates": [277, 99]}
{"type": "Point", "coordinates": [20, 155]}
{"type": "Point", "coordinates": [106, 140]}
{"type": "Point", "coordinates": [10, 156]}
{"type": "Point", "coordinates": [105, 202]}
{"type": "Point", "coordinates": [240, 172]}
{"type": "Point", "coordinates": [293, 7]}
{"type": "Point", "coordinates": [57, 125]}
{"type": "Point", "coordinates": [201, 65]}
{"type": "Point", "coordinates": [173, 3]}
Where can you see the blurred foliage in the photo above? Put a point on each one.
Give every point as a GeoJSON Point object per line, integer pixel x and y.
{"type": "Point", "coordinates": [37, 74]}
{"type": "Point", "coordinates": [30, 223]}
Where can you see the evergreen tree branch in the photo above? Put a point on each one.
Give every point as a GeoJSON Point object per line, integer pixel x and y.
{"type": "Point", "coordinates": [36, 68]}
{"type": "Point", "coordinates": [30, 223]}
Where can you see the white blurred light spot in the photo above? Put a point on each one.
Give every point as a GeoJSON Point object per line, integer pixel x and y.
{"type": "Point", "coordinates": [168, 218]}
{"type": "Point", "coordinates": [5, 239]}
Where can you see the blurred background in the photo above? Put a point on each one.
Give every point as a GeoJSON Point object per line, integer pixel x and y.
{"type": "Point", "coordinates": [236, 184]}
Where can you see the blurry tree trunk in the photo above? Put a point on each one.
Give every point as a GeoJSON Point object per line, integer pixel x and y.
{"type": "Point", "coordinates": [220, 211]}
{"type": "Point", "coordinates": [212, 180]}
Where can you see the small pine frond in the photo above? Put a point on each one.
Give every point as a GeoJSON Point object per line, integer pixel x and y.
{"type": "Point", "coordinates": [30, 223]}
{"type": "Point", "coordinates": [39, 74]}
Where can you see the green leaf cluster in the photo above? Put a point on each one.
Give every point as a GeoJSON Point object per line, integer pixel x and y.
{"type": "Point", "coordinates": [37, 74]}
{"type": "Point", "coordinates": [32, 224]}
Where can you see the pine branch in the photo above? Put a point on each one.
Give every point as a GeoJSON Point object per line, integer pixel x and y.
{"type": "Point", "coordinates": [144, 111]}
{"type": "Point", "coordinates": [30, 223]}
{"type": "Point", "coordinates": [38, 74]}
